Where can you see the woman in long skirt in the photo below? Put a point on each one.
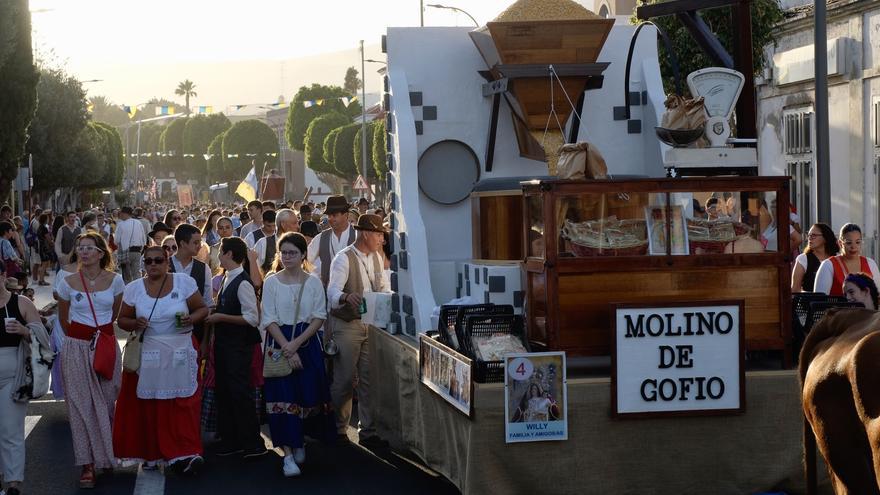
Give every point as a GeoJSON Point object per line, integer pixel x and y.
{"type": "Point", "coordinates": [293, 309]}
{"type": "Point", "coordinates": [88, 302]}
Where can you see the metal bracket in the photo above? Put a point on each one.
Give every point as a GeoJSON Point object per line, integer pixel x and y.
{"type": "Point", "coordinates": [495, 87]}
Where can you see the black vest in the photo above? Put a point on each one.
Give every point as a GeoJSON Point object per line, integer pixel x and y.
{"type": "Point", "coordinates": [197, 272]}
{"type": "Point", "coordinates": [258, 234]}
{"type": "Point", "coordinates": [270, 253]}
{"type": "Point", "coordinates": [228, 303]}
{"type": "Point", "coordinates": [810, 274]}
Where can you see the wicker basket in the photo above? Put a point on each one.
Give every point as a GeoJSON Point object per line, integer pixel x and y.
{"type": "Point", "coordinates": [607, 237]}
{"type": "Point", "coordinates": [713, 236]}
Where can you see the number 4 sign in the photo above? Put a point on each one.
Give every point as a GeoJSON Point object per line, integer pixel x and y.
{"type": "Point", "coordinates": [535, 397]}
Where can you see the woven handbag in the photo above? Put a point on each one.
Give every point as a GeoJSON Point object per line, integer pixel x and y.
{"type": "Point", "coordinates": [131, 352]}
{"type": "Point", "coordinates": [275, 365]}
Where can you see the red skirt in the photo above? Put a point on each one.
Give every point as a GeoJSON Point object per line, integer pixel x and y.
{"type": "Point", "coordinates": [154, 429]}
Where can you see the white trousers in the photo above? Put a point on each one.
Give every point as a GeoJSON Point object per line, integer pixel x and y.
{"type": "Point", "coordinates": [11, 419]}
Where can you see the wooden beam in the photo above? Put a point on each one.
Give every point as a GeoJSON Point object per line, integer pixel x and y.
{"type": "Point", "coordinates": [706, 38]}
{"type": "Point", "coordinates": [516, 71]}
{"type": "Point", "coordinates": [645, 12]}
{"type": "Point", "coordinates": [746, 107]}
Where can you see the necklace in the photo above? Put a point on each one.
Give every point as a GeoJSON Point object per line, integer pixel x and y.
{"type": "Point", "coordinates": [91, 280]}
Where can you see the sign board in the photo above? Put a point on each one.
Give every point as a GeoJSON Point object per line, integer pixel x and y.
{"type": "Point", "coordinates": [447, 373]}
{"type": "Point", "coordinates": [678, 359]}
{"type": "Point", "coordinates": [184, 194]}
{"type": "Point", "coordinates": [360, 184]}
{"type": "Point", "coordinates": [535, 397]}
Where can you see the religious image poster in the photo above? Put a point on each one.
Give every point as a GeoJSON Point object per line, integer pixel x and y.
{"type": "Point", "coordinates": [535, 397]}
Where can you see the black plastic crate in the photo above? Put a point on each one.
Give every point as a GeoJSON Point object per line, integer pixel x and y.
{"type": "Point", "coordinates": [486, 325]}
{"type": "Point", "coordinates": [488, 371]}
{"type": "Point", "coordinates": [468, 311]}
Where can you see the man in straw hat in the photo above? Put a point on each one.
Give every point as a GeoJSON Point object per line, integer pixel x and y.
{"type": "Point", "coordinates": [355, 270]}
{"type": "Point", "coordinates": [324, 247]}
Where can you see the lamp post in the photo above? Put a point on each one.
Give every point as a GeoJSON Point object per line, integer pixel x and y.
{"type": "Point", "coordinates": [138, 148]}
{"type": "Point", "coordinates": [456, 9]}
{"type": "Point", "coordinates": [363, 114]}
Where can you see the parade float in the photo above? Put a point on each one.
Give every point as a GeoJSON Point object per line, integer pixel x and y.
{"type": "Point", "coordinates": [500, 246]}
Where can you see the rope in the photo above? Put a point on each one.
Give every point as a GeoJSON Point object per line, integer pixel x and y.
{"type": "Point", "coordinates": [553, 113]}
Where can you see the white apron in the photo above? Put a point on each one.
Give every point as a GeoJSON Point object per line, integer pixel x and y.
{"type": "Point", "coordinates": [169, 367]}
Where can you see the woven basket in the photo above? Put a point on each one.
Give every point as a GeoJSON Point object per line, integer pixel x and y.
{"type": "Point", "coordinates": [607, 237]}
{"type": "Point", "coordinates": [711, 237]}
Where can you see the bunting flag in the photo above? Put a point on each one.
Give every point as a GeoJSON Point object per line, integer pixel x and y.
{"type": "Point", "coordinates": [233, 155]}
{"type": "Point", "coordinates": [165, 110]}
{"type": "Point", "coordinates": [248, 187]}
{"type": "Point", "coordinates": [131, 111]}
{"type": "Point", "coordinates": [204, 110]}
{"type": "Point", "coordinates": [346, 100]}
{"type": "Point", "coordinates": [207, 156]}
{"type": "Point", "coordinates": [90, 107]}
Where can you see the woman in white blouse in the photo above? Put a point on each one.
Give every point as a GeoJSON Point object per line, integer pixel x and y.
{"type": "Point", "coordinates": [88, 302]}
{"type": "Point", "coordinates": [293, 309]}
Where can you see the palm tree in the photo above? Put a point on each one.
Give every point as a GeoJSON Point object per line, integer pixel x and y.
{"type": "Point", "coordinates": [186, 89]}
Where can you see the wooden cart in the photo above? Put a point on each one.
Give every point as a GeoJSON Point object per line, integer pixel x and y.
{"type": "Point", "coordinates": [571, 287]}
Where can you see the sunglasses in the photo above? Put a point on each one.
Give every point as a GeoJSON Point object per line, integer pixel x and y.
{"type": "Point", "coordinates": [89, 249]}
{"type": "Point", "coordinates": [157, 260]}
{"type": "Point", "coordinates": [171, 248]}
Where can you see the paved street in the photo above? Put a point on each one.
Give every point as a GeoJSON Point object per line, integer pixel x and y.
{"type": "Point", "coordinates": [328, 469]}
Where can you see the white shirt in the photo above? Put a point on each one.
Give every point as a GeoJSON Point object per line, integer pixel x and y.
{"type": "Point", "coordinates": [163, 320]}
{"type": "Point", "coordinates": [248, 228]}
{"type": "Point", "coordinates": [246, 296]}
{"type": "Point", "coordinates": [260, 248]}
{"type": "Point", "coordinates": [206, 294]}
{"type": "Point", "coordinates": [825, 275]}
{"type": "Point", "coordinates": [249, 239]}
{"type": "Point", "coordinates": [129, 233]}
{"type": "Point", "coordinates": [336, 245]}
{"type": "Point", "coordinates": [279, 302]}
{"type": "Point", "coordinates": [81, 312]}
{"type": "Point", "coordinates": [339, 274]}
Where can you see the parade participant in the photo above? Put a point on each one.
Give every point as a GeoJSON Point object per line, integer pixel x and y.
{"type": "Point", "coordinates": [102, 226]}
{"type": "Point", "coordinates": [770, 235]}
{"type": "Point", "coordinates": [833, 271]}
{"type": "Point", "coordinates": [88, 302]}
{"type": "Point", "coordinates": [43, 247]}
{"type": "Point", "coordinates": [860, 287]}
{"type": "Point", "coordinates": [32, 240]}
{"type": "Point", "coordinates": [157, 414]}
{"type": "Point", "coordinates": [19, 312]}
{"type": "Point", "coordinates": [57, 330]}
{"type": "Point", "coordinates": [255, 214]}
{"type": "Point", "coordinates": [294, 307]}
{"type": "Point", "coordinates": [169, 244]}
{"type": "Point", "coordinates": [189, 242]}
{"type": "Point", "coordinates": [173, 218]}
{"type": "Point", "coordinates": [362, 205]}
{"type": "Point", "coordinates": [65, 237]}
{"type": "Point", "coordinates": [309, 230]}
{"type": "Point", "coordinates": [159, 232]}
{"type": "Point", "coordinates": [324, 247]}
{"type": "Point", "coordinates": [353, 216]}
{"type": "Point", "coordinates": [131, 240]}
{"type": "Point", "coordinates": [11, 259]}
{"type": "Point", "coordinates": [821, 245]}
{"type": "Point", "coordinates": [146, 223]}
{"type": "Point", "coordinates": [209, 232]}
{"type": "Point", "coordinates": [225, 228]}
{"type": "Point", "coordinates": [235, 333]}
{"type": "Point", "coordinates": [305, 213]}
{"type": "Point", "coordinates": [266, 248]}
{"type": "Point", "coordinates": [355, 270]}
{"type": "Point", "coordinates": [267, 229]}
{"type": "Point", "coordinates": [269, 205]}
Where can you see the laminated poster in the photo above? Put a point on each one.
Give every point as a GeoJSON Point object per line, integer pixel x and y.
{"type": "Point", "coordinates": [535, 397]}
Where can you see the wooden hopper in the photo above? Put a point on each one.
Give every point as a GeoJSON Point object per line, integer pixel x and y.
{"type": "Point", "coordinates": [526, 43]}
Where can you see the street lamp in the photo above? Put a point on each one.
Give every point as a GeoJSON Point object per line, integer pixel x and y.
{"type": "Point", "coordinates": [376, 61]}
{"type": "Point", "coordinates": [456, 9]}
{"type": "Point", "coordinates": [138, 148]}
{"type": "Point", "coordinates": [363, 113]}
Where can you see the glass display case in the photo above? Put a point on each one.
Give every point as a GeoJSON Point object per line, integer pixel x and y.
{"type": "Point", "coordinates": [592, 244]}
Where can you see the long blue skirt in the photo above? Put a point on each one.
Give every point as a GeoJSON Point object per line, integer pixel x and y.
{"type": "Point", "coordinates": [299, 404]}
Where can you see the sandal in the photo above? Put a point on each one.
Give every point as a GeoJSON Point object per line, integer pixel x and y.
{"type": "Point", "coordinates": [87, 478]}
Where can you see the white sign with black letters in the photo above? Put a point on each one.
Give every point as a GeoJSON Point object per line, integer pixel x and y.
{"type": "Point", "coordinates": [678, 359]}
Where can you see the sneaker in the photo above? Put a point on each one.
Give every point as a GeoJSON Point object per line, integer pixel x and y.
{"type": "Point", "coordinates": [256, 452]}
{"type": "Point", "coordinates": [194, 464]}
{"type": "Point", "coordinates": [299, 455]}
{"type": "Point", "coordinates": [290, 468]}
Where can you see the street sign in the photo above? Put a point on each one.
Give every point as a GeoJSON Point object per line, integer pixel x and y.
{"type": "Point", "coordinates": [361, 184]}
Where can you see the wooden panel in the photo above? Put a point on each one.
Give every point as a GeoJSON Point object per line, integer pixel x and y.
{"type": "Point", "coordinates": [533, 96]}
{"type": "Point", "coordinates": [585, 317]}
{"type": "Point", "coordinates": [550, 42]}
{"type": "Point", "coordinates": [501, 231]}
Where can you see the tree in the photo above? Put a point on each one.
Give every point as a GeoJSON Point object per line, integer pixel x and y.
{"type": "Point", "coordinates": [358, 153]}
{"type": "Point", "coordinates": [171, 142]}
{"type": "Point", "coordinates": [251, 143]}
{"type": "Point", "coordinates": [343, 157]}
{"type": "Point", "coordinates": [330, 150]}
{"type": "Point", "coordinates": [113, 159]}
{"type": "Point", "coordinates": [215, 163]}
{"type": "Point", "coordinates": [766, 15]}
{"type": "Point", "coordinates": [380, 161]}
{"type": "Point", "coordinates": [186, 89]}
{"type": "Point", "coordinates": [299, 117]}
{"type": "Point", "coordinates": [103, 110]}
{"type": "Point", "coordinates": [55, 130]}
{"type": "Point", "coordinates": [18, 87]}
{"type": "Point", "coordinates": [315, 136]}
{"type": "Point", "coordinates": [352, 81]}
{"type": "Point", "coordinates": [198, 134]}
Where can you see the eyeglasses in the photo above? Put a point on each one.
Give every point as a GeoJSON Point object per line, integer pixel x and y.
{"type": "Point", "coordinates": [88, 249]}
{"type": "Point", "coordinates": [290, 254]}
{"type": "Point", "coordinates": [813, 236]}
{"type": "Point", "coordinates": [171, 248]}
{"type": "Point", "coordinates": [157, 260]}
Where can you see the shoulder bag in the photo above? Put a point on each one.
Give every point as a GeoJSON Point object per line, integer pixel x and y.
{"type": "Point", "coordinates": [275, 365]}
{"type": "Point", "coordinates": [131, 353]}
{"type": "Point", "coordinates": [103, 344]}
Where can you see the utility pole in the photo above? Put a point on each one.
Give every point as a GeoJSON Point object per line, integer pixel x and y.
{"type": "Point", "coordinates": [823, 155]}
{"type": "Point", "coordinates": [422, 13]}
{"type": "Point", "coordinates": [363, 113]}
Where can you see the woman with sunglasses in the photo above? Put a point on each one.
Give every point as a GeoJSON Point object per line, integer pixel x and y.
{"type": "Point", "coordinates": [821, 245]}
{"type": "Point", "coordinates": [172, 219]}
{"type": "Point", "coordinates": [833, 271]}
{"type": "Point", "coordinates": [169, 244]}
{"type": "Point", "coordinates": [293, 309]}
{"type": "Point", "coordinates": [88, 302]}
{"type": "Point", "coordinates": [157, 416]}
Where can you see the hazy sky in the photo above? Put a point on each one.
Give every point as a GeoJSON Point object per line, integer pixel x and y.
{"type": "Point", "coordinates": [236, 52]}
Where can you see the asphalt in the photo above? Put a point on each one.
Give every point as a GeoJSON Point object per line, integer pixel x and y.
{"type": "Point", "coordinates": [345, 468]}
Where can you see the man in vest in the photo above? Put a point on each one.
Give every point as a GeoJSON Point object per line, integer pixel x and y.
{"type": "Point", "coordinates": [131, 239]}
{"type": "Point", "coordinates": [189, 241]}
{"type": "Point", "coordinates": [255, 213]}
{"type": "Point", "coordinates": [267, 230]}
{"type": "Point", "coordinates": [355, 270]}
{"type": "Point", "coordinates": [65, 238]}
{"type": "Point", "coordinates": [235, 332]}
{"type": "Point", "coordinates": [324, 247]}
{"type": "Point", "coordinates": [285, 221]}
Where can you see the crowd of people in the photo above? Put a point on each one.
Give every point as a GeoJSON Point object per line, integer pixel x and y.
{"type": "Point", "coordinates": [237, 316]}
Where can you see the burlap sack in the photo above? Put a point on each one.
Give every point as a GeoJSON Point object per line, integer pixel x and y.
{"type": "Point", "coordinates": [581, 161]}
{"type": "Point", "coordinates": [683, 113]}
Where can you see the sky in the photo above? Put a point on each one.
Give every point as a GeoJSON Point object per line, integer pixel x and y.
{"type": "Point", "coordinates": [236, 52]}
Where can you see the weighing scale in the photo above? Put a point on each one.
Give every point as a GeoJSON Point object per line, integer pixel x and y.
{"type": "Point", "coordinates": [720, 89]}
